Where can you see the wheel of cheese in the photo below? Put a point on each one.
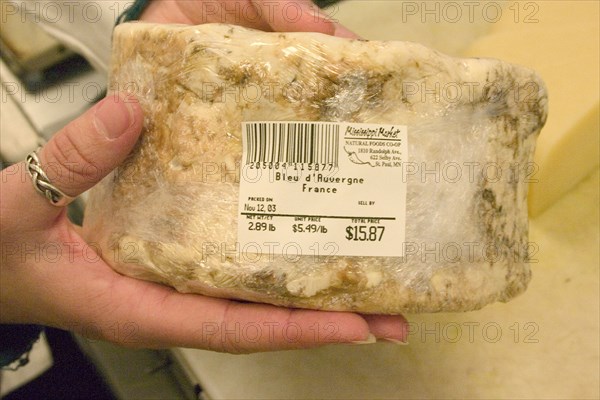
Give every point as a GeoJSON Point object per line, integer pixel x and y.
{"type": "Point", "coordinates": [456, 237]}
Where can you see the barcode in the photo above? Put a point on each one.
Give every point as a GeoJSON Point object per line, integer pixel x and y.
{"type": "Point", "coordinates": [292, 142]}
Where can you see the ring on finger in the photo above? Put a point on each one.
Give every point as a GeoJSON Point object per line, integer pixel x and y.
{"type": "Point", "coordinates": [42, 184]}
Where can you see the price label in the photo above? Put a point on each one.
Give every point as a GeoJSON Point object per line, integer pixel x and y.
{"type": "Point", "coordinates": [365, 233]}
{"type": "Point", "coordinates": [323, 185]}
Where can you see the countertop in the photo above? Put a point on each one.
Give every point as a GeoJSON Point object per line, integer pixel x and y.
{"type": "Point", "coordinates": [543, 344]}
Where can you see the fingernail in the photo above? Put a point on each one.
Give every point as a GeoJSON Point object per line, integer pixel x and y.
{"type": "Point", "coordinates": [113, 116]}
{"type": "Point", "coordinates": [340, 30]}
{"type": "Point", "coordinates": [394, 341]}
{"type": "Point", "coordinates": [369, 340]}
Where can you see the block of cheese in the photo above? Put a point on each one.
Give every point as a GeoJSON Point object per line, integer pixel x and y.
{"type": "Point", "coordinates": [465, 227]}
{"type": "Point", "coordinates": [560, 41]}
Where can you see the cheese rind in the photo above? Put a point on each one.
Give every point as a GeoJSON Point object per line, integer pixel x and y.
{"type": "Point", "coordinates": [168, 215]}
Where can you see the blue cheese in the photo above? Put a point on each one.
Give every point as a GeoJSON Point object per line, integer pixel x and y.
{"type": "Point", "coordinates": [171, 211]}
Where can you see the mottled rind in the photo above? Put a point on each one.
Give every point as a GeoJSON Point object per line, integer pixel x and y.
{"type": "Point", "coordinates": [169, 213]}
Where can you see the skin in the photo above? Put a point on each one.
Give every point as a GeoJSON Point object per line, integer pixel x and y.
{"type": "Point", "coordinates": [266, 15]}
{"type": "Point", "coordinates": [50, 276]}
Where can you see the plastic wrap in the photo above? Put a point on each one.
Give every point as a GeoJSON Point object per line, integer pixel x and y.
{"type": "Point", "coordinates": [170, 213]}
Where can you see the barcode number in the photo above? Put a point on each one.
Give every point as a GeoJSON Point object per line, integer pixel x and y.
{"type": "Point", "coordinates": [292, 142]}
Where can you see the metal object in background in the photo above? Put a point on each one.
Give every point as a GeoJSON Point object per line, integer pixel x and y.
{"type": "Point", "coordinates": [32, 55]}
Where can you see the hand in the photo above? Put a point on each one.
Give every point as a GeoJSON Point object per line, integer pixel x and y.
{"type": "Point", "coordinates": [49, 275]}
{"type": "Point", "coordinates": [266, 15]}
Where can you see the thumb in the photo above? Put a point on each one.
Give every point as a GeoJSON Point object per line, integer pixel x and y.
{"type": "Point", "coordinates": [88, 148]}
{"type": "Point", "coordinates": [77, 157]}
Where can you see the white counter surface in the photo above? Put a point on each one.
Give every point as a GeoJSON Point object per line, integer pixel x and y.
{"type": "Point", "coordinates": [544, 344]}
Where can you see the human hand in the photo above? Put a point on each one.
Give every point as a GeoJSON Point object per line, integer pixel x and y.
{"type": "Point", "coordinates": [265, 15]}
{"type": "Point", "coordinates": [50, 276]}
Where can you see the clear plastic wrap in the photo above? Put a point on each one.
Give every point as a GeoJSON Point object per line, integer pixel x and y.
{"type": "Point", "coordinates": [170, 213]}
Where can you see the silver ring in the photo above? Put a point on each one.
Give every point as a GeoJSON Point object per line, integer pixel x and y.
{"type": "Point", "coordinates": [42, 184]}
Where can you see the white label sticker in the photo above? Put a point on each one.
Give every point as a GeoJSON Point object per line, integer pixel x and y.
{"type": "Point", "coordinates": [322, 188]}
